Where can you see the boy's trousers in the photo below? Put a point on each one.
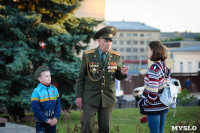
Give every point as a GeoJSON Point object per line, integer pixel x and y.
{"type": "Point", "coordinates": [42, 127]}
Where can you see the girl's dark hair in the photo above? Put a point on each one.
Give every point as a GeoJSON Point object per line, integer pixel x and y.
{"type": "Point", "coordinates": [159, 51]}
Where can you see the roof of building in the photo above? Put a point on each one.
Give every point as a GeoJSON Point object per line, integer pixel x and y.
{"type": "Point", "coordinates": [128, 26]}
{"type": "Point", "coordinates": [185, 35]}
{"type": "Point", "coordinates": [189, 48]}
{"type": "Point", "coordinates": [188, 35]}
{"type": "Point", "coordinates": [168, 34]}
{"type": "Point", "coordinates": [172, 44]}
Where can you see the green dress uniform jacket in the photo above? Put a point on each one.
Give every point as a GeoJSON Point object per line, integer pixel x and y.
{"type": "Point", "coordinates": [96, 81]}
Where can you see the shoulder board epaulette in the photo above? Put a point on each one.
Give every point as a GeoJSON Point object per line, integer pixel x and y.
{"type": "Point", "coordinates": [115, 52]}
{"type": "Point", "coordinates": [89, 51]}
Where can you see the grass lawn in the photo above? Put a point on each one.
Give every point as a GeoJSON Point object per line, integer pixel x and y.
{"type": "Point", "coordinates": [127, 120]}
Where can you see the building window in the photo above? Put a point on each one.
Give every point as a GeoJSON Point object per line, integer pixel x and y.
{"type": "Point", "coordinates": [141, 42]}
{"type": "Point", "coordinates": [141, 35]}
{"type": "Point", "coordinates": [148, 42]}
{"type": "Point", "coordinates": [199, 65]}
{"type": "Point", "coordinates": [181, 67]}
{"type": "Point", "coordinates": [128, 50]}
{"type": "Point", "coordinates": [189, 67]}
{"type": "Point", "coordinates": [121, 34]}
{"type": "Point", "coordinates": [141, 57]}
{"type": "Point", "coordinates": [135, 50]}
{"type": "Point", "coordinates": [141, 49]}
{"type": "Point", "coordinates": [149, 35]}
{"type": "Point", "coordinates": [128, 34]}
{"type": "Point", "coordinates": [122, 57]}
{"type": "Point", "coordinates": [135, 57]}
{"type": "Point", "coordinates": [114, 42]}
{"type": "Point", "coordinates": [135, 66]}
{"type": "Point", "coordinates": [115, 49]}
{"type": "Point", "coordinates": [135, 34]}
{"type": "Point", "coordinates": [128, 57]}
{"type": "Point", "coordinates": [134, 42]}
{"type": "Point", "coordinates": [128, 42]}
{"type": "Point", "coordinates": [121, 49]}
{"type": "Point", "coordinates": [121, 42]}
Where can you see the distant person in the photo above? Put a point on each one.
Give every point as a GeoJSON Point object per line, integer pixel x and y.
{"type": "Point", "coordinates": [45, 102]}
{"type": "Point", "coordinates": [149, 103]}
{"type": "Point", "coordinates": [187, 84]}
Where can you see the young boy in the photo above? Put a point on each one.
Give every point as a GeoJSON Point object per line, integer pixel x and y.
{"type": "Point", "coordinates": [45, 102]}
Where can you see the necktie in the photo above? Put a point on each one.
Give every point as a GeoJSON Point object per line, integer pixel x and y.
{"type": "Point", "coordinates": [103, 57]}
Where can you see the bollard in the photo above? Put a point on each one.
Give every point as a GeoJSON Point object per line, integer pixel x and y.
{"type": "Point", "coordinates": [3, 122]}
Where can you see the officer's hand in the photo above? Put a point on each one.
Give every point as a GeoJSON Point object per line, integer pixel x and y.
{"type": "Point", "coordinates": [79, 103]}
{"type": "Point", "coordinates": [124, 70]}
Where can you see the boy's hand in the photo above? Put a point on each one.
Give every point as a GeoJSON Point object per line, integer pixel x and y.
{"type": "Point", "coordinates": [49, 121]}
{"type": "Point", "coordinates": [53, 122]}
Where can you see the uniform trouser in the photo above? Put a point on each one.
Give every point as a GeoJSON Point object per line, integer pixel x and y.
{"type": "Point", "coordinates": [104, 116]}
{"type": "Point", "coordinates": [42, 127]}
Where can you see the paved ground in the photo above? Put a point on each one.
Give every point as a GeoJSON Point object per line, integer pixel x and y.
{"type": "Point", "coordinates": [16, 128]}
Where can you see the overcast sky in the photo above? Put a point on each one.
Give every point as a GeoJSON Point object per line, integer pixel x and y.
{"type": "Point", "coordinates": [166, 15]}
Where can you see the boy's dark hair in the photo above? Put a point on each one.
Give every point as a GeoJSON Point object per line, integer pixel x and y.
{"type": "Point", "coordinates": [159, 51]}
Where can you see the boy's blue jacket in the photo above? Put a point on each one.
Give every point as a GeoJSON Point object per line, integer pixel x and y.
{"type": "Point", "coordinates": [45, 103]}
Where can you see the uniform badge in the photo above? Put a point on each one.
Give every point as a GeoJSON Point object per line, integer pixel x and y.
{"type": "Point", "coordinates": [111, 76]}
{"type": "Point", "coordinates": [94, 70]}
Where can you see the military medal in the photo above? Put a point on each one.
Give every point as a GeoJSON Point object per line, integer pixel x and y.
{"type": "Point", "coordinates": [111, 76]}
{"type": "Point", "coordinates": [115, 65]}
{"type": "Point", "coordinates": [94, 70]}
{"type": "Point", "coordinates": [111, 68]}
{"type": "Point", "coordinates": [95, 64]}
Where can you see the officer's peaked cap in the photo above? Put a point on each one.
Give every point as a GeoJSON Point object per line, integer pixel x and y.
{"type": "Point", "coordinates": [106, 33]}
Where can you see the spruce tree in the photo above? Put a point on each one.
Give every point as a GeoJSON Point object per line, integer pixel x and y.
{"type": "Point", "coordinates": [36, 32]}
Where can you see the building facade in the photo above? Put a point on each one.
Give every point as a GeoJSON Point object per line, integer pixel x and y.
{"type": "Point", "coordinates": [132, 39]}
{"type": "Point", "coordinates": [187, 36]}
{"type": "Point", "coordinates": [131, 42]}
{"type": "Point", "coordinates": [186, 59]}
{"type": "Point", "coordinates": [93, 9]}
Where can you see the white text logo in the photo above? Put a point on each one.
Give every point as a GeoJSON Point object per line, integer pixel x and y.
{"type": "Point", "coordinates": [184, 128]}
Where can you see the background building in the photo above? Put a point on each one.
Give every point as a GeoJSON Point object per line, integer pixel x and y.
{"type": "Point", "coordinates": [186, 59]}
{"type": "Point", "coordinates": [131, 42]}
{"type": "Point", "coordinates": [187, 36]}
{"type": "Point", "coordinates": [93, 9]}
{"type": "Point", "coordinates": [174, 45]}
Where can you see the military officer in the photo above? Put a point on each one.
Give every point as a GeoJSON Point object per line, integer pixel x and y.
{"type": "Point", "coordinates": [95, 85]}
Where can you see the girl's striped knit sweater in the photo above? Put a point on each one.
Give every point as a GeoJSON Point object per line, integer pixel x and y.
{"type": "Point", "coordinates": [154, 83]}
